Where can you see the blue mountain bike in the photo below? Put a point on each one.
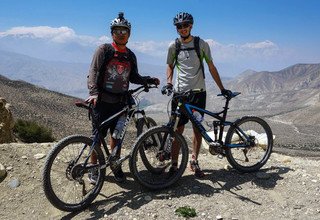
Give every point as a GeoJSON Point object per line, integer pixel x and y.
{"type": "Point", "coordinates": [247, 144]}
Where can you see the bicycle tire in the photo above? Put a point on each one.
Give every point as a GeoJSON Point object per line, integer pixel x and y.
{"type": "Point", "coordinates": [59, 173]}
{"type": "Point", "coordinates": [249, 159]}
{"type": "Point", "coordinates": [141, 124]}
{"type": "Point", "coordinates": [148, 174]}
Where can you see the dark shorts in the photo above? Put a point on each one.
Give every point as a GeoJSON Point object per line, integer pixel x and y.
{"type": "Point", "coordinates": [103, 111]}
{"type": "Point", "coordinates": [197, 99]}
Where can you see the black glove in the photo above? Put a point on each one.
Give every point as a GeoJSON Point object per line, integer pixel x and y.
{"type": "Point", "coordinates": [227, 93]}
{"type": "Point", "coordinates": [153, 80]}
{"type": "Point", "coordinates": [167, 89]}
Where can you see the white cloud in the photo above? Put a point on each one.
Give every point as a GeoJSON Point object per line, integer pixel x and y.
{"type": "Point", "coordinates": [221, 52]}
{"type": "Point", "coordinates": [66, 44]}
{"type": "Point", "coordinates": [248, 51]}
{"type": "Point", "coordinates": [152, 48]}
{"type": "Point", "coordinates": [226, 53]}
{"type": "Point", "coordinates": [57, 35]}
{"type": "Point", "coordinates": [260, 45]}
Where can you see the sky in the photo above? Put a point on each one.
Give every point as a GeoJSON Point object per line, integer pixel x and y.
{"type": "Point", "coordinates": [262, 35]}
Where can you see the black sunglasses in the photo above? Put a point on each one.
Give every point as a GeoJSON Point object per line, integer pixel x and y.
{"type": "Point", "coordinates": [120, 31]}
{"type": "Point", "coordinates": [183, 25]}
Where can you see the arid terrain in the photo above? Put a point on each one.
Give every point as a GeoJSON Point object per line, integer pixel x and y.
{"type": "Point", "coordinates": [285, 188]}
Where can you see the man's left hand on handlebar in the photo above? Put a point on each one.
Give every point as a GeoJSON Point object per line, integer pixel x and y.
{"type": "Point", "coordinates": [226, 92]}
{"type": "Point", "coordinates": [167, 89]}
{"type": "Point", "coordinates": [153, 80]}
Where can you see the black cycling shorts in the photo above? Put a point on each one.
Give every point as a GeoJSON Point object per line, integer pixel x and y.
{"type": "Point", "coordinates": [197, 99]}
{"type": "Point", "coordinates": [103, 111]}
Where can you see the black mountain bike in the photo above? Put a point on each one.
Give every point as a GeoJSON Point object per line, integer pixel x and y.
{"type": "Point", "coordinates": [65, 174]}
{"type": "Point", "coordinates": [247, 144]}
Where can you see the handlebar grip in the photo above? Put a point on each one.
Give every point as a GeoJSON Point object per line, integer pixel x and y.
{"type": "Point", "coordinates": [82, 104]}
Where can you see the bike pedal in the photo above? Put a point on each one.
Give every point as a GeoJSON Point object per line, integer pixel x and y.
{"type": "Point", "coordinates": [214, 144]}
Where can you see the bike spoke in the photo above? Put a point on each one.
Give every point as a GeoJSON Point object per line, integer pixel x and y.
{"type": "Point", "coordinates": [152, 159]}
{"type": "Point", "coordinates": [67, 184]}
{"type": "Point", "coordinates": [254, 140]}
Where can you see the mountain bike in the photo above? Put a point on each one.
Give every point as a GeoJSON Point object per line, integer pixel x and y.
{"type": "Point", "coordinates": [65, 174]}
{"type": "Point", "coordinates": [247, 144]}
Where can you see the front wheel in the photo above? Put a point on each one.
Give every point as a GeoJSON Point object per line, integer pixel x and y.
{"type": "Point", "coordinates": [157, 146]}
{"type": "Point", "coordinates": [65, 178]}
{"type": "Point", "coordinates": [249, 144]}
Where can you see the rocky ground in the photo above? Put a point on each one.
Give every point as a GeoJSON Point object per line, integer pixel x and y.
{"type": "Point", "coordinates": [286, 188]}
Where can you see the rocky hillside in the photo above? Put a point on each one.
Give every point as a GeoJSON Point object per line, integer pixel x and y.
{"type": "Point", "coordinates": [51, 109]}
{"type": "Point", "coordinates": [288, 99]}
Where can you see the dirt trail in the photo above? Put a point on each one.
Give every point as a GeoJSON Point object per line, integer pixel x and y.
{"type": "Point", "coordinates": [286, 188]}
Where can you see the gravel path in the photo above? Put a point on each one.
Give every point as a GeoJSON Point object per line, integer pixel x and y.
{"type": "Point", "coordinates": [286, 188]}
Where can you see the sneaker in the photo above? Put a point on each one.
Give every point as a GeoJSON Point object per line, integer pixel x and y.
{"type": "Point", "coordinates": [194, 166]}
{"type": "Point", "coordinates": [93, 176]}
{"type": "Point", "coordinates": [119, 175]}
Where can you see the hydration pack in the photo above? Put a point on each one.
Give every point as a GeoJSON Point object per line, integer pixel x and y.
{"type": "Point", "coordinates": [196, 48]}
{"type": "Point", "coordinates": [109, 53]}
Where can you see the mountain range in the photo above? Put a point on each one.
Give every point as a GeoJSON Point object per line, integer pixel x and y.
{"type": "Point", "coordinates": [297, 77]}
{"type": "Point", "coordinates": [64, 77]}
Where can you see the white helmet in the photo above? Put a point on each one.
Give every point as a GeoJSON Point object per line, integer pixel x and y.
{"type": "Point", "coordinates": [120, 21]}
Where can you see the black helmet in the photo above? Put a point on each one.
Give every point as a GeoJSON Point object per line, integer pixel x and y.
{"type": "Point", "coordinates": [120, 21]}
{"type": "Point", "coordinates": [183, 17]}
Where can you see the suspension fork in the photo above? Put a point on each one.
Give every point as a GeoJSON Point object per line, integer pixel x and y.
{"type": "Point", "coordinates": [135, 118]}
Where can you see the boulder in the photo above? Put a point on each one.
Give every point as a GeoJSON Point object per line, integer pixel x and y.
{"type": "Point", "coordinates": [6, 122]}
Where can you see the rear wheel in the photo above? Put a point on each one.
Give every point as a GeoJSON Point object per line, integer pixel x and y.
{"type": "Point", "coordinates": [65, 179]}
{"type": "Point", "coordinates": [154, 146]}
{"type": "Point", "coordinates": [143, 124]}
{"type": "Point", "coordinates": [249, 144]}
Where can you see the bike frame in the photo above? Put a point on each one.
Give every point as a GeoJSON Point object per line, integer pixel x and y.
{"type": "Point", "coordinates": [221, 122]}
{"type": "Point", "coordinates": [98, 138]}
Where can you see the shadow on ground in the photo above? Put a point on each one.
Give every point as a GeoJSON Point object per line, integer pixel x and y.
{"type": "Point", "coordinates": [135, 196]}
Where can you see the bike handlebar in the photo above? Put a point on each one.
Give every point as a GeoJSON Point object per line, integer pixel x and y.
{"type": "Point", "coordinates": [233, 94]}
{"type": "Point", "coordinates": [146, 87]}
{"type": "Point", "coordinates": [192, 91]}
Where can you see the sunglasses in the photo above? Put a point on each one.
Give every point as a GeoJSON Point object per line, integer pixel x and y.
{"type": "Point", "coordinates": [183, 25]}
{"type": "Point", "coordinates": [120, 31]}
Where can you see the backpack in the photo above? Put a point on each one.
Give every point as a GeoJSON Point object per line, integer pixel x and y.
{"type": "Point", "coordinates": [109, 53]}
{"type": "Point", "coordinates": [196, 48]}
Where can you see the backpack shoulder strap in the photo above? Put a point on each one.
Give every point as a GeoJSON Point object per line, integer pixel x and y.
{"type": "Point", "coordinates": [178, 47]}
{"type": "Point", "coordinates": [108, 51]}
{"type": "Point", "coordinates": [197, 49]}
{"type": "Point", "coordinates": [197, 46]}
{"type": "Point", "coordinates": [177, 51]}
{"type": "Point", "coordinates": [132, 57]}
